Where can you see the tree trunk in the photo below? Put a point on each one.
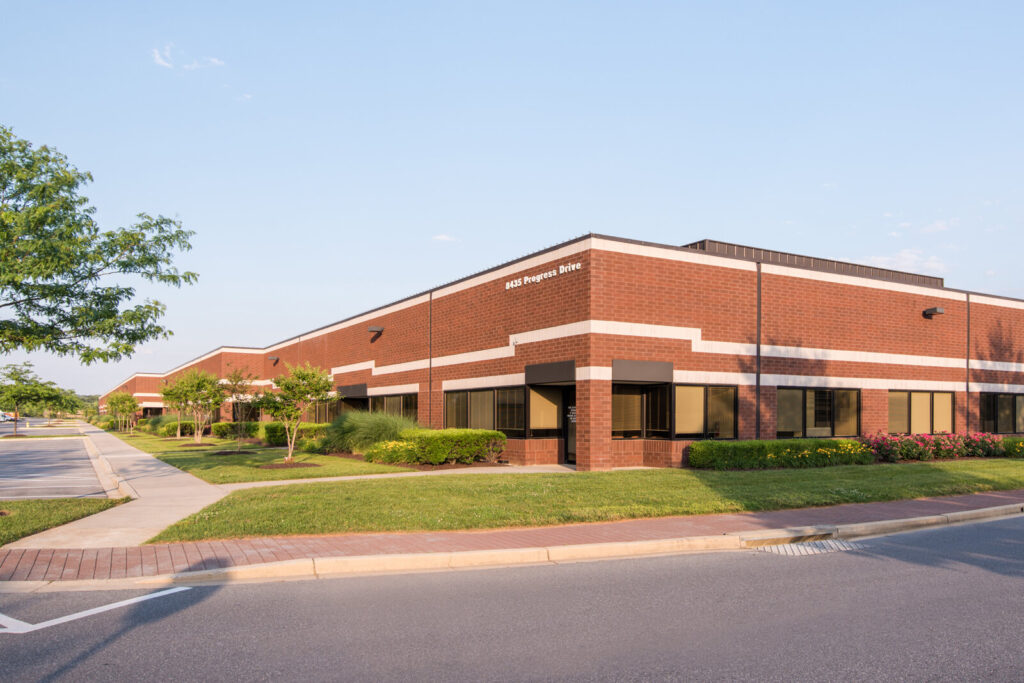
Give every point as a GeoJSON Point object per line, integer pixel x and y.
{"type": "Point", "coordinates": [17, 416]}
{"type": "Point", "coordinates": [197, 426]}
{"type": "Point", "coordinates": [179, 423]}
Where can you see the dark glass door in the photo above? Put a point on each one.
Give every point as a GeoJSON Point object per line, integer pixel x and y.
{"type": "Point", "coordinates": [569, 425]}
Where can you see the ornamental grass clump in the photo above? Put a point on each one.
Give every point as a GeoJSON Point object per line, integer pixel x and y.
{"type": "Point", "coordinates": [357, 430]}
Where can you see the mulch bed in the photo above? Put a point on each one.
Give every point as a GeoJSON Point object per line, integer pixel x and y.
{"type": "Point", "coordinates": [287, 465]}
{"type": "Point", "coordinates": [16, 436]}
{"type": "Point", "coordinates": [423, 467]}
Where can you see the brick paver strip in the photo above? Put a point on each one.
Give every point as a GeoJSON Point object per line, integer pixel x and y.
{"type": "Point", "coordinates": [68, 564]}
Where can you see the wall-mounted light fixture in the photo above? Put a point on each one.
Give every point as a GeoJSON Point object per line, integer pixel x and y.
{"type": "Point", "coordinates": [376, 332]}
{"type": "Point", "coordinates": [932, 312]}
{"type": "Point", "coordinates": [273, 358]}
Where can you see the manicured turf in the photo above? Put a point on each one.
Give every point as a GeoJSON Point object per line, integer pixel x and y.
{"type": "Point", "coordinates": [227, 469]}
{"type": "Point", "coordinates": [510, 500]}
{"type": "Point", "coordinates": [27, 517]}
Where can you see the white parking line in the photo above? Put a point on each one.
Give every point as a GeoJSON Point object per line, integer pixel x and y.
{"type": "Point", "coordinates": [12, 625]}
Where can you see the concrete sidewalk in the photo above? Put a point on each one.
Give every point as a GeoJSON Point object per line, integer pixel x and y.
{"type": "Point", "coordinates": [33, 568]}
{"type": "Point", "coordinates": [165, 496]}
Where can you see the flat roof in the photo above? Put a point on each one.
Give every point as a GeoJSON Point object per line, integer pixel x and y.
{"type": "Point", "coordinates": [707, 246]}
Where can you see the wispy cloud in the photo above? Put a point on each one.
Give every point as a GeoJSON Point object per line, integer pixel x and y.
{"type": "Point", "coordinates": [895, 234]}
{"type": "Point", "coordinates": [913, 260]}
{"type": "Point", "coordinates": [204, 63]}
{"type": "Point", "coordinates": [905, 224]}
{"type": "Point", "coordinates": [940, 226]}
{"type": "Point", "coordinates": [244, 97]}
{"type": "Point", "coordinates": [163, 57]}
{"type": "Point", "coordinates": [444, 238]}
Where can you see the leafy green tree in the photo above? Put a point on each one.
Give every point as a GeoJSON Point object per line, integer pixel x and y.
{"type": "Point", "coordinates": [238, 385]}
{"type": "Point", "coordinates": [63, 285]}
{"type": "Point", "coordinates": [123, 406]}
{"type": "Point", "coordinates": [63, 402]}
{"type": "Point", "coordinates": [172, 401]}
{"type": "Point", "coordinates": [303, 386]}
{"type": "Point", "coordinates": [20, 386]}
{"type": "Point", "coordinates": [201, 395]}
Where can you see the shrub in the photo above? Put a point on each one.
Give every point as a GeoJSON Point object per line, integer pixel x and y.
{"type": "Point", "coordinates": [1013, 446]}
{"type": "Point", "coordinates": [760, 455]}
{"type": "Point", "coordinates": [357, 430]}
{"type": "Point", "coordinates": [229, 430]}
{"type": "Point", "coordinates": [900, 447]}
{"type": "Point", "coordinates": [439, 446]}
{"type": "Point", "coordinates": [274, 434]}
{"type": "Point", "coordinates": [391, 452]}
{"type": "Point", "coordinates": [170, 428]}
{"type": "Point", "coordinates": [141, 424]}
{"type": "Point", "coordinates": [153, 426]}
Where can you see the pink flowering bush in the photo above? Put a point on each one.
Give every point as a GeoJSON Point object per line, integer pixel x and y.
{"type": "Point", "coordinates": [900, 447]}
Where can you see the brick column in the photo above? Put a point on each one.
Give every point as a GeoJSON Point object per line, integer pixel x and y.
{"type": "Point", "coordinates": [593, 425]}
{"type": "Point", "coordinates": [874, 411]}
{"type": "Point", "coordinates": [769, 408]}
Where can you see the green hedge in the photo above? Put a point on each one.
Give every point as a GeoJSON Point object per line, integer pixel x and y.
{"type": "Point", "coordinates": [309, 437]}
{"type": "Point", "coordinates": [274, 434]}
{"type": "Point", "coordinates": [171, 428]}
{"type": "Point", "coordinates": [229, 430]}
{"type": "Point", "coordinates": [439, 446]}
{"type": "Point", "coordinates": [761, 455]}
{"type": "Point", "coordinates": [1013, 446]}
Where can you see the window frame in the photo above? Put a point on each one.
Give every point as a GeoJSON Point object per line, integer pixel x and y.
{"type": "Point", "coordinates": [644, 411]}
{"type": "Point", "coordinates": [735, 412]}
{"type": "Point", "coordinates": [803, 412]}
{"type": "Point", "coordinates": [511, 433]}
{"type": "Point", "coordinates": [931, 410]}
{"type": "Point", "coordinates": [994, 397]}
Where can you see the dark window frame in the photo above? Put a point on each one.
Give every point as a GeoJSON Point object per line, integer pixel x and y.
{"type": "Point", "coordinates": [405, 401]}
{"type": "Point", "coordinates": [676, 436]}
{"type": "Point", "coordinates": [511, 433]}
{"type": "Point", "coordinates": [803, 412]}
{"type": "Point", "coordinates": [993, 396]}
{"type": "Point", "coordinates": [931, 409]}
{"type": "Point", "coordinates": [662, 434]}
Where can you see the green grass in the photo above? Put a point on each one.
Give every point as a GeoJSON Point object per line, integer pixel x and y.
{"type": "Point", "coordinates": [229, 469]}
{"type": "Point", "coordinates": [27, 517]}
{"type": "Point", "coordinates": [513, 500]}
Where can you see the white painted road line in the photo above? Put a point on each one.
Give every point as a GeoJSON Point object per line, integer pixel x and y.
{"type": "Point", "coordinates": [12, 625]}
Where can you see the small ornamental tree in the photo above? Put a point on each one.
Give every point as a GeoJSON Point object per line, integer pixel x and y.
{"type": "Point", "coordinates": [123, 406]}
{"type": "Point", "coordinates": [303, 386]}
{"type": "Point", "coordinates": [20, 386]}
{"type": "Point", "coordinates": [201, 395]}
{"type": "Point", "coordinates": [63, 402]}
{"type": "Point", "coordinates": [238, 386]}
{"type": "Point", "coordinates": [172, 401]}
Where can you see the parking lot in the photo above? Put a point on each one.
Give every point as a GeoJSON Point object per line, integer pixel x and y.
{"type": "Point", "coordinates": [43, 468]}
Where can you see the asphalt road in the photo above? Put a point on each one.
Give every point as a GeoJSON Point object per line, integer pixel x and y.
{"type": "Point", "coordinates": [943, 604]}
{"type": "Point", "coordinates": [34, 468]}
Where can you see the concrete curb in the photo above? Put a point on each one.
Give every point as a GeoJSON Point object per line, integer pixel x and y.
{"type": "Point", "coordinates": [113, 483]}
{"type": "Point", "coordinates": [361, 565]}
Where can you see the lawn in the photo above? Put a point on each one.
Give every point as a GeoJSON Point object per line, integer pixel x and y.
{"type": "Point", "coordinates": [27, 517]}
{"type": "Point", "coordinates": [514, 500]}
{"type": "Point", "coordinates": [228, 469]}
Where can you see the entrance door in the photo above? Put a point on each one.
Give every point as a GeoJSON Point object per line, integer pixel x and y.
{"type": "Point", "coordinates": [569, 425]}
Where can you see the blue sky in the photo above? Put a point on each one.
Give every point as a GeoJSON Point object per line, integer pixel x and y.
{"type": "Point", "coordinates": [332, 157]}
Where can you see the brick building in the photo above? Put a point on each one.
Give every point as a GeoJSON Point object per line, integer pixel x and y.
{"type": "Point", "coordinates": [610, 352]}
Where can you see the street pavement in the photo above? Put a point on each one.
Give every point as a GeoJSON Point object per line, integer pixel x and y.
{"type": "Point", "coordinates": [44, 468]}
{"type": "Point", "coordinates": [941, 604]}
